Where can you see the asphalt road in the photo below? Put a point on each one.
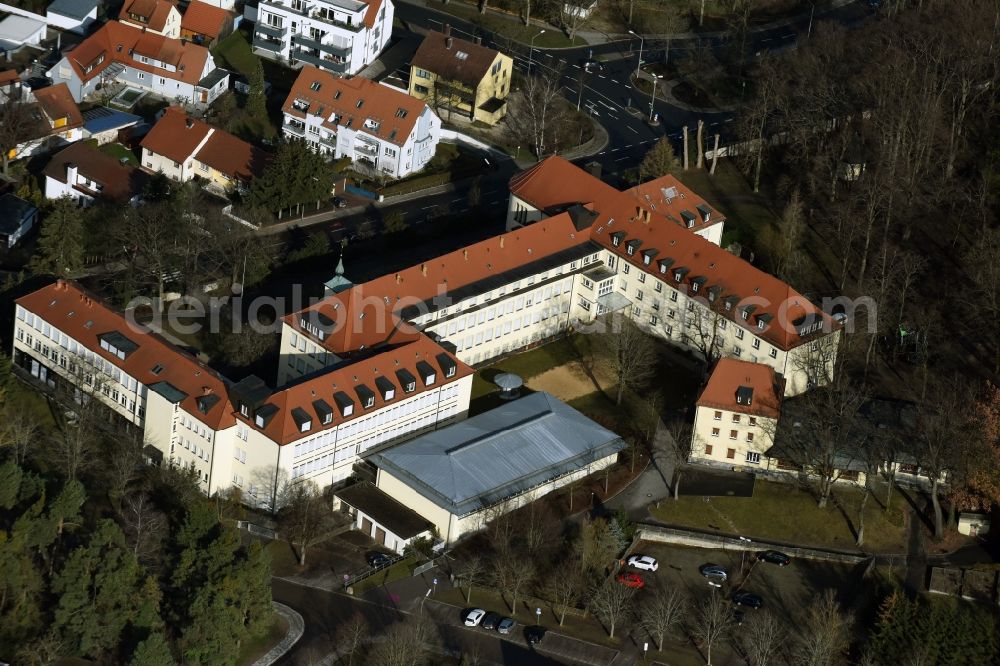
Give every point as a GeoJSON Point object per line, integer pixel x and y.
{"type": "Point", "coordinates": [608, 93]}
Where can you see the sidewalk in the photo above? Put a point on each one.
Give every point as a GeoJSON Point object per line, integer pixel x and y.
{"type": "Point", "coordinates": [296, 627]}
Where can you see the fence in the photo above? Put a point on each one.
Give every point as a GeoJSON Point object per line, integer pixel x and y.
{"type": "Point", "coordinates": [703, 540]}
{"type": "Point", "coordinates": [361, 192]}
{"type": "Point", "coordinates": [257, 530]}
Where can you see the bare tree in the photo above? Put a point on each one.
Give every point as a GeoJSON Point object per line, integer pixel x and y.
{"type": "Point", "coordinates": [536, 525]}
{"type": "Point", "coordinates": [511, 575]}
{"type": "Point", "coordinates": [785, 242]}
{"type": "Point", "coordinates": [627, 352]}
{"type": "Point", "coordinates": [351, 635]}
{"type": "Point", "coordinates": [470, 572]}
{"type": "Point", "coordinates": [712, 621]}
{"type": "Point", "coordinates": [826, 633]}
{"type": "Point", "coordinates": [611, 602]}
{"type": "Point", "coordinates": [18, 432]}
{"type": "Point", "coordinates": [663, 613]}
{"type": "Point", "coordinates": [304, 516]}
{"type": "Point", "coordinates": [535, 112]}
{"type": "Point", "coordinates": [763, 637]}
{"type": "Point", "coordinates": [405, 644]}
{"type": "Point", "coordinates": [18, 123]}
{"type": "Point", "coordinates": [123, 461]}
{"type": "Point", "coordinates": [679, 447]}
{"type": "Point", "coordinates": [144, 526]}
{"type": "Point", "coordinates": [564, 587]}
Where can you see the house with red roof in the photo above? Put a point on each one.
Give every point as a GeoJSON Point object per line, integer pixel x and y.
{"type": "Point", "coordinates": [157, 16]}
{"type": "Point", "coordinates": [205, 24]}
{"type": "Point", "coordinates": [338, 36]}
{"type": "Point", "coordinates": [383, 130]}
{"type": "Point", "coordinates": [57, 119]}
{"type": "Point", "coordinates": [120, 55]}
{"type": "Point", "coordinates": [183, 148]}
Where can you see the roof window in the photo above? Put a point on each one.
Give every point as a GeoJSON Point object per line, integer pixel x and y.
{"type": "Point", "coordinates": [401, 112]}
{"type": "Point", "coordinates": [360, 103]}
{"type": "Point", "coordinates": [315, 85]}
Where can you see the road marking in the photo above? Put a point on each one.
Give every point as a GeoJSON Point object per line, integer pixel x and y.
{"type": "Point", "coordinates": [562, 61]}
{"type": "Point", "coordinates": [632, 128]}
{"type": "Point", "coordinates": [767, 39]}
{"type": "Point", "coordinates": [576, 66]}
{"type": "Point", "coordinates": [601, 76]}
{"type": "Point", "coordinates": [615, 150]}
{"type": "Point", "coordinates": [428, 207]}
{"type": "Point", "coordinates": [728, 120]}
{"type": "Point", "coordinates": [622, 159]}
{"type": "Point", "coordinates": [457, 200]}
{"type": "Point", "coordinates": [603, 103]}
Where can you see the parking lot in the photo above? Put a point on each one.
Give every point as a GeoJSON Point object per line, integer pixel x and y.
{"type": "Point", "coordinates": [787, 591]}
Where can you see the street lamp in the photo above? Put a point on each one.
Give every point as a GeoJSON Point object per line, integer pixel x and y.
{"type": "Point", "coordinates": [531, 49]}
{"type": "Point", "coordinates": [656, 83]}
{"type": "Point", "coordinates": [638, 64]}
{"type": "Point", "coordinates": [429, 590]}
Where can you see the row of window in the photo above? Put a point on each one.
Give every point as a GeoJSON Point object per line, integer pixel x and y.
{"type": "Point", "coordinates": [491, 332]}
{"type": "Point", "coordinates": [736, 418]}
{"type": "Point", "coordinates": [752, 457]}
{"type": "Point", "coordinates": [733, 434]}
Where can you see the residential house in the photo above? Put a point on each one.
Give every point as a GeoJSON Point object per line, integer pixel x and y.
{"type": "Point", "coordinates": [17, 216]}
{"type": "Point", "coordinates": [468, 473]}
{"type": "Point", "coordinates": [73, 15]}
{"type": "Point", "coordinates": [205, 24]}
{"type": "Point", "coordinates": [11, 87]}
{"type": "Point", "coordinates": [736, 415]}
{"type": "Point", "coordinates": [382, 130]}
{"type": "Point", "coordinates": [241, 434]}
{"type": "Point", "coordinates": [160, 17]}
{"type": "Point", "coordinates": [85, 174]}
{"type": "Point", "coordinates": [105, 125]}
{"type": "Point", "coordinates": [379, 516]}
{"type": "Point", "coordinates": [122, 55]}
{"type": "Point", "coordinates": [19, 31]}
{"type": "Point", "coordinates": [58, 120]}
{"type": "Point", "coordinates": [461, 76]}
{"type": "Point", "coordinates": [339, 36]}
{"type": "Point", "coordinates": [182, 147]}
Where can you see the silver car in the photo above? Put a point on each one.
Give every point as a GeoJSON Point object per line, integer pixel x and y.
{"type": "Point", "coordinates": [473, 617]}
{"type": "Point", "coordinates": [506, 625]}
{"type": "Point", "coordinates": [714, 572]}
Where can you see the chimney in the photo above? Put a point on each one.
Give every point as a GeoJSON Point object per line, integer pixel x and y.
{"type": "Point", "coordinates": [447, 30]}
{"type": "Point", "coordinates": [448, 41]}
{"type": "Point", "coordinates": [206, 390]}
{"type": "Point", "coordinates": [71, 174]}
{"type": "Point", "coordinates": [648, 215]}
{"type": "Point", "coordinates": [501, 242]}
{"type": "Point", "coordinates": [465, 254]}
{"type": "Point", "coordinates": [399, 278]}
{"type": "Point", "coordinates": [60, 284]}
{"type": "Point", "coordinates": [423, 269]}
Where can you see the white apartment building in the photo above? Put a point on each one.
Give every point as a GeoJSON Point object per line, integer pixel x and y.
{"type": "Point", "coordinates": [736, 416]}
{"type": "Point", "coordinates": [382, 130]}
{"type": "Point", "coordinates": [339, 36]}
{"type": "Point", "coordinates": [244, 434]}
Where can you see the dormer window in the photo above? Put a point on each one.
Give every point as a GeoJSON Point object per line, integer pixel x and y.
{"type": "Point", "coordinates": [617, 238]}
{"type": "Point", "coordinates": [323, 411]}
{"type": "Point", "coordinates": [244, 410]}
{"type": "Point", "coordinates": [426, 372]}
{"type": "Point", "coordinates": [406, 380]}
{"type": "Point", "coordinates": [344, 403]}
{"type": "Point", "coordinates": [448, 365]}
{"type": "Point", "coordinates": [744, 396]}
{"type": "Point", "coordinates": [706, 212]}
{"type": "Point", "coordinates": [302, 419]}
{"type": "Point", "coordinates": [688, 217]}
{"type": "Point", "coordinates": [385, 387]}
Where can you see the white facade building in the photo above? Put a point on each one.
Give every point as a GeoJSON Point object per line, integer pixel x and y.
{"type": "Point", "coordinates": [382, 130]}
{"type": "Point", "coordinates": [74, 15]}
{"type": "Point", "coordinates": [339, 36]}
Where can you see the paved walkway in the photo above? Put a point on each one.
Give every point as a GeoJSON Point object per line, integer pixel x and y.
{"type": "Point", "coordinates": [296, 627]}
{"type": "Point", "coordinates": [916, 557]}
{"type": "Point", "coordinates": [653, 484]}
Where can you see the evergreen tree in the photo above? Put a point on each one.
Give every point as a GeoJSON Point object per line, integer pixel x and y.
{"type": "Point", "coordinates": [60, 246]}
{"type": "Point", "coordinates": [257, 99]}
{"type": "Point", "coordinates": [295, 176]}
{"type": "Point", "coordinates": [154, 651]}
{"type": "Point", "coordinates": [659, 161]}
{"type": "Point", "coordinates": [6, 377]}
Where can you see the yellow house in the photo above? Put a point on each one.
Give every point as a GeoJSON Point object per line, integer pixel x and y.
{"type": "Point", "coordinates": [456, 76]}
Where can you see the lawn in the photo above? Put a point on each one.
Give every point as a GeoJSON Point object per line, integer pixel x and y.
{"type": "Point", "coordinates": [257, 647]}
{"type": "Point", "coordinates": [785, 512]}
{"type": "Point", "coordinates": [515, 30]}
{"type": "Point", "coordinates": [532, 363]}
{"type": "Point", "coordinates": [234, 52]}
{"type": "Point", "coordinates": [118, 151]}
{"type": "Point", "coordinates": [398, 571]}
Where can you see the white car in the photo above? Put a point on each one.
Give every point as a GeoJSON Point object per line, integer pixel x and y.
{"type": "Point", "coordinates": [474, 617]}
{"type": "Point", "coordinates": [644, 562]}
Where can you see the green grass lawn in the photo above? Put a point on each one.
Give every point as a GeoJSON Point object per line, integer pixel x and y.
{"type": "Point", "coordinates": [515, 30]}
{"type": "Point", "coordinates": [785, 512]}
{"type": "Point", "coordinates": [257, 646]}
{"type": "Point", "coordinates": [235, 53]}
{"type": "Point", "coordinates": [398, 571]}
{"type": "Point", "coordinates": [118, 151]}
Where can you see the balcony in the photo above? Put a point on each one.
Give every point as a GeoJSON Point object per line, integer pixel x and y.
{"type": "Point", "coordinates": [366, 149]}
{"type": "Point", "coordinates": [353, 27]}
{"type": "Point", "coordinates": [271, 31]}
{"type": "Point", "coordinates": [294, 127]}
{"type": "Point", "coordinates": [315, 44]}
{"type": "Point", "coordinates": [267, 44]}
{"type": "Point", "coordinates": [314, 59]}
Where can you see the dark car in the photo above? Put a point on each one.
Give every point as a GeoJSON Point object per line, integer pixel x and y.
{"type": "Point", "coordinates": [491, 620]}
{"type": "Point", "coordinates": [534, 634]}
{"type": "Point", "coordinates": [38, 82]}
{"type": "Point", "coordinates": [339, 202]}
{"type": "Point", "coordinates": [774, 557]}
{"type": "Point", "coordinates": [747, 599]}
{"type": "Point", "coordinates": [378, 559]}
{"type": "Point", "coordinates": [506, 625]}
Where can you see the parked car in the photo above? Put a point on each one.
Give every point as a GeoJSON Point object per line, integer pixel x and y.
{"type": "Point", "coordinates": [534, 634]}
{"type": "Point", "coordinates": [491, 620]}
{"type": "Point", "coordinates": [714, 572]}
{"type": "Point", "coordinates": [473, 617]}
{"type": "Point", "coordinates": [377, 559]}
{"type": "Point", "coordinates": [632, 580]}
{"type": "Point", "coordinates": [339, 202]}
{"type": "Point", "coordinates": [748, 599]}
{"type": "Point", "coordinates": [774, 557]}
{"type": "Point", "coordinates": [644, 562]}
{"type": "Point", "coordinates": [506, 625]}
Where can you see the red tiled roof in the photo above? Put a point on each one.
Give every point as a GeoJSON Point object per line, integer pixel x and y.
{"type": "Point", "coordinates": [8, 76]}
{"type": "Point", "coordinates": [367, 314]}
{"type": "Point", "coordinates": [117, 42]}
{"type": "Point", "coordinates": [69, 307]}
{"type": "Point", "coordinates": [729, 375]}
{"type": "Point", "coordinates": [555, 183]}
{"type": "Point", "coordinates": [372, 13]}
{"type": "Point", "coordinates": [204, 19]}
{"type": "Point", "coordinates": [154, 11]}
{"type": "Point", "coordinates": [57, 102]}
{"type": "Point", "coordinates": [178, 136]}
{"type": "Point", "coordinates": [119, 182]}
{"type": "Point", "coordinates": [283, 428]}
{"type": "Point", "coordinates": [396, 112]}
